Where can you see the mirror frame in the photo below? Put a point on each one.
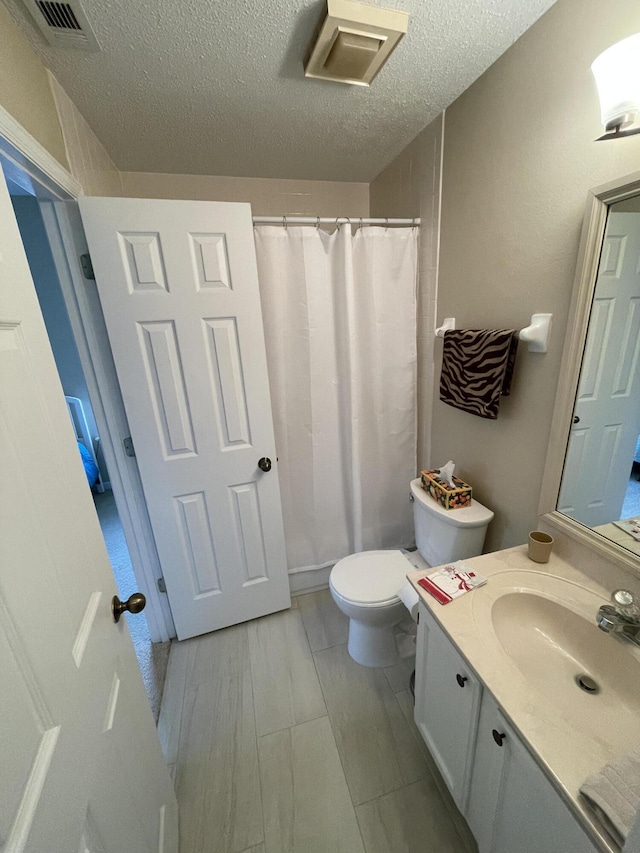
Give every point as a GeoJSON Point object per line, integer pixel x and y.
{"type": "Point", "coordinates": [593, 229]}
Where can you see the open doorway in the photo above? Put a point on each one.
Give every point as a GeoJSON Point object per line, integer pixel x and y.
{"type": "Point", "coordinates": [631, 505]}
{"type": "Point", "coordinates": [152, 657]}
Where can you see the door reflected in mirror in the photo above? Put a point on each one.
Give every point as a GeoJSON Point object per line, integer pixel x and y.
{"type": "Point", "coordinates": [601, 479]}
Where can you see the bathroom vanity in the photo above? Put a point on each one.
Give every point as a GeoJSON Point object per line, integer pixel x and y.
{"type": "Point", "coordinates": [500, 706]}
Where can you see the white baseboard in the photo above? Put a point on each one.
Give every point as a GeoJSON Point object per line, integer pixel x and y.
{"type": "Point", "coordinates": [309, 580]}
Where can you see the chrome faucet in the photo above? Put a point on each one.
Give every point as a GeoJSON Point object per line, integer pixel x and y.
{"type": "Point", "coordinates": [623, 617]}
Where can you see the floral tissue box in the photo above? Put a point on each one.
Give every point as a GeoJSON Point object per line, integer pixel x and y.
{"type": "Point", "coordinates": [440, 491]}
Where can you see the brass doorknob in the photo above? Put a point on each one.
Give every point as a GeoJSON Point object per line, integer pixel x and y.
{"type": "Point", "coordinates": [134, 604]}
{"type": "Point", "coordinates": [264, 464]}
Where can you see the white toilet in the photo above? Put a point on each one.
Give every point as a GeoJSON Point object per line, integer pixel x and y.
{"type": "Point", "coordinates": [365, 586]}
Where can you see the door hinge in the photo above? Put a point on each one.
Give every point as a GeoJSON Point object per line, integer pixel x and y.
{"type": "Point", "coordinates": [128, 446]}
{"type": "Point", "coordinates": [87, 267]}
{"type": "Point", "coordinates": [162, 585]}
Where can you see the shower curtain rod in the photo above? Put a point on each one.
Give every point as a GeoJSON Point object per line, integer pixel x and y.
{"type": "Point", "coordinates": [332, 220]}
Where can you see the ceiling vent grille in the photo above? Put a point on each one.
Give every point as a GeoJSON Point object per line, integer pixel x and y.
{"type": "Point", "coordinates": [63, 24]}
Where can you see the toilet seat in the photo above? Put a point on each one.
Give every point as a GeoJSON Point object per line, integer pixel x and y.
{"type": "Point", "coordinates": [370, 578]}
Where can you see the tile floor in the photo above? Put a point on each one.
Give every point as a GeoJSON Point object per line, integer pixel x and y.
{"type": "Point", "coordinates": [279, 743]}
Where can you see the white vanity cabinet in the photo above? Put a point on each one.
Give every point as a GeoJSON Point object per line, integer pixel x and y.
{"type": "Point", "coordinates": [509, 803]}
{"type": "Point", "coordinates": [447, 705]}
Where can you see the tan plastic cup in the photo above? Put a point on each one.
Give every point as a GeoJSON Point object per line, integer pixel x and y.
{"type": "Point", "coordinates": [540, 545]}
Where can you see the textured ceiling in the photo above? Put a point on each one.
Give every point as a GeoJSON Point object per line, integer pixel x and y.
{"type": "Point", "coordinates": [217, 86]}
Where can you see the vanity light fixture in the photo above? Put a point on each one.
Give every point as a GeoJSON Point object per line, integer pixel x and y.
{"type": "Point", "coordinates": [354, 41]}
{"type": "Point", "coordinates": [617, 73]}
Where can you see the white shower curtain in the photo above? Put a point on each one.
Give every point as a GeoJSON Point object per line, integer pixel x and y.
{"type": "Point", "coordinates": [340, 325]}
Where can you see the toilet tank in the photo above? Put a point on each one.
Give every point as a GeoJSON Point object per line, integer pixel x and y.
{"type": "Point", "coordinates": [443, 536]}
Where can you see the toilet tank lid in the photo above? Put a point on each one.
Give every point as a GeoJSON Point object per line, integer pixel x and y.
{"type": "Point", "coordinates": [370, 577]}
{"type": "Point", "coordinates": [475, 515]}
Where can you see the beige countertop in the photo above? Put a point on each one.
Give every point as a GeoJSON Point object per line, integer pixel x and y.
{"type": "Point", "coordinates": [572, 734]}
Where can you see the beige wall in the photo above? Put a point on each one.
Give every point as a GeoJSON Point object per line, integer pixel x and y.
{"type": "Point", "coordinates": [267, 196]}
{"type": "Point", "coordinates": [519, 157]}
{"type": "Point", "coordinates": [410, 186]}
{"type": "Point", "coordinates": [88, 160]}
{"type": "Point", "coordinates": [25, 90]}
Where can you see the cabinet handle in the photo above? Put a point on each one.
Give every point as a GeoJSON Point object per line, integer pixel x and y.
{"type": "Point", "coordinates": [498, 736]}
{"type": "Point", "coordinates": [461, 679]}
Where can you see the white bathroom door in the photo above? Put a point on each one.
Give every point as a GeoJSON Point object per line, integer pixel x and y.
{"type": "Point", "coordinates": [178, 285]}
{"type": "Point", "coordinates": [81, 767]}
{"type": "Point", "coordinates": [604, 436]}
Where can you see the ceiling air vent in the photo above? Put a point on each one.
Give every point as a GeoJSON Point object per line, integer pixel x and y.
{"type": "Point", "coordinates": [354, 41]}
{"type": "Point", "coordinates": [63, 24]}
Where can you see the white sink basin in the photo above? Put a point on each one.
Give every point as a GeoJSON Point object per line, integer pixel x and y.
{"type": "Point", "coordinates": [553, 647]}
{"type": "Point", "coordinates": [547, 628]}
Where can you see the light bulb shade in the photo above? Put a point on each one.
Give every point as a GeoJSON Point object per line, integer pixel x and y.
{"type": "Point", "coordinates": [617, 73]}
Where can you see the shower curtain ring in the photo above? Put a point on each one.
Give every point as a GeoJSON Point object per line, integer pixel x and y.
{"type": "Point", "coordinates": [284, 222]}
{"type": "Point", "coordinates": [386, 227]}
{"type": "Point", "coordinates": [317, 223]}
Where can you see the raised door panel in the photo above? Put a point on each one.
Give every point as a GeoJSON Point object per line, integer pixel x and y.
{"type": "Point", "coordinates": [129, 757]}
{"type": "Point", "coordinates": [447, 705]}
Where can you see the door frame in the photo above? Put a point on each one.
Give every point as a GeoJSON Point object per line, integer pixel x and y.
{"type": "Point", "coordinates": [51, 183]}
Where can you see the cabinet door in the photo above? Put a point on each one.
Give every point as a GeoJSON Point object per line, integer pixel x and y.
{"type": "Point", "coordinates": [512, 804]}
{"type": "Point", "coordinates": [447, 705]}
{"type": "Point", "coordinates": [487, 778]}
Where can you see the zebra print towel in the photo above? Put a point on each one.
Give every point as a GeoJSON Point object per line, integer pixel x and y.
{"type": "Point", "coordinates": [477, 367]}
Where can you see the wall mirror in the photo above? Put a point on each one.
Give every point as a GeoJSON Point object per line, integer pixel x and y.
{"type": "Point", "coordinates": [591, 486]}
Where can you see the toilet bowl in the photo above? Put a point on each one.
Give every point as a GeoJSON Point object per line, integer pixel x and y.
{"type": "Point", "coordinates": [365, 586]}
